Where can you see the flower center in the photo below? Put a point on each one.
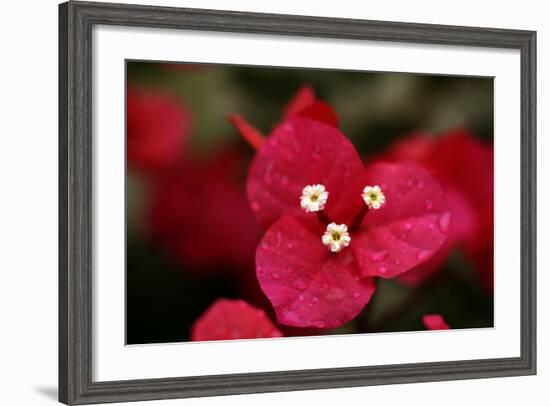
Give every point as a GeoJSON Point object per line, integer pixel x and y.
{"type": "Point", "coordinates": [336, 237]}
{"type": "Point", "coordinates": [373, 197]}
{"type": "Point", "coordinates": [314, 198]}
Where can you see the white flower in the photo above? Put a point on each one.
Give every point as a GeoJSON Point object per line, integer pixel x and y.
{"type": "Point", "coordinates": [314, 198]}
{"type": "Point", "coordinates": [336, 237]}
{"type": "Point", "coordinates": [373, 197]}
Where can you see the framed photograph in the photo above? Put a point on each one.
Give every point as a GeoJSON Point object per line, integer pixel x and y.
{"type": "Point", "coordinates": [259, 202]}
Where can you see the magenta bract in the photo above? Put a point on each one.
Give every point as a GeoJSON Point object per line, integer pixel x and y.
{"type": "Point", "coordinates": [231, 320]}
{"type": "Point", "coordinates": [434, 322]}
{"type": "Point", "coordinates": [308, 285]}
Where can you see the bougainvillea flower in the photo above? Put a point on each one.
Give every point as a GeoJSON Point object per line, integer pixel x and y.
{"type": "Point", "coordinates": [317, 266]}
{"type": "Point", "coordinates": [303, 104]}
{"type": "Point", "coordinates": [463, 166]}
{"type": "Point", "coordinates": [231, 320]}
{"type": "Point", "coordinates": [157, 124]}
{"type": "Point", "coordinates": [199, 213]}
{"type": "Point", "coordinates": [434, 322]}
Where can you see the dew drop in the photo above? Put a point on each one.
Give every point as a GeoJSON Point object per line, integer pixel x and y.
{"type": "Point", "coordinates": [382, 270]}
{"type": "Point", "coordinates": [420, 184]}
{"type": "Point", "coordinates": [300, 284]}
{"type": "Point", "coordinates": [379, 256]}
{"type": "Point", "coordinates": [335, 294]}
{"type": "Point", "coordinates": [275, 276]}
{"type": "Point", "coordinates": [265, 245]}
{"type": "Point", "coordinates": [431, 226]}
{"type": "Point", "coordinates": [255, 206]}
{"type": "Point", "coordinates": [429, 204]}
{"type": "Point", "coordinates": [289, 245]}
{"type": "Point", "coordinates": [319, 324]}
{"type": "Point", "coordinates": [301, 298]}
{"type": "Point", "coordinates": [316, 153]}
{"type": "Point", "coordinates": [315, 300]}
{"type": "Point", "coordinates": [268, 179]}
{"type": "Point", "coordinates": [289, 128]}
{"type": "Point", "coordinates": [408, 226]}
{"type": "Point", "coordinates": [279, 237]}
{"type": "Point", "coordinates": [410, 183]}
{"type": "Point", "coordinates": [423, 255]}
{"type": "Point", "coordinates": [356, 295]}
{"type": "Point", "coordinates": [444, 222]}
{"type": "Point", "coordinates": [397, 262]}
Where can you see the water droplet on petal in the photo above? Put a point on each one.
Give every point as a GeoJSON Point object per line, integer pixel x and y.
{"type": "Point", "coordinates": [314, 300]}
{"type": "Point", "coordinates": [424, 254]}
{"type": "Point", "coordinates": [429, 204]}
{"type": "Point", "coordinates": [379, 256]}
{"type": "Point", "coordinates": [431, 226]}
{"type": "Point", "coordinates": [356, 295]}
{"type": "Point", "coordinates": [300, 284]}
{"type": "Point", "coordinates": [289, 245]}
{"type": "Point", "coordinates": [316, 153]}
{"type": "Point", "coordinates": [420, 184]}
{"type": "Point", "coordinates": [408, 226]}
{"type": "Point", "coordinates": [255, 206]}
{"type": "Point", "coordinates": [444, 222]}
{"type": "Point", "coordinates": [397, 262]}
{"type": "Point", "coordinates": [301, 298]}
{"type": "Point", "coordinates": [382, 270]}
{"type": "Point", "coordinates": [410, 183]}
{"type": "Point", "coordinates": [265, 245]}
{"type": "Point", "coordinates": [319, 324]}
{"type": "Point", "coordinates": [275, 276]}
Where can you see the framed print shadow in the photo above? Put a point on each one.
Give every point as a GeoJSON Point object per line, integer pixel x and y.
{"type": "Point", "coordinates": [260, 202]}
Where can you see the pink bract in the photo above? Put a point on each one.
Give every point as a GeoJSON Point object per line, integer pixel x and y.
{"type": "Point", "coordinates": [231, 320]}
{"type": "Point", "coordinates": [434, 322]}
{"type": "Point", "coordinates": [463, 166]}
{"type": "Point", "coordinates": [308, 285]}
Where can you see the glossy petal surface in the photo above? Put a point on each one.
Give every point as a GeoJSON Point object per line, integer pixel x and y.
{"type": "Point", "coordinates": [307, 285]}
{"type": "Point", "coordinates": [411, 226]}
{"type": "Point", "coordinates": [298, 153]}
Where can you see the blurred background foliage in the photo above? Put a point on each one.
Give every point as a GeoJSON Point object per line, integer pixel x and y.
{"type": "Point", "coordinates": [165, 295]}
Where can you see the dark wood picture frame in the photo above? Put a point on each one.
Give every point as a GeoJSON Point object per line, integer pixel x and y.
{"type": "Point", "coordinates": [76, 20]}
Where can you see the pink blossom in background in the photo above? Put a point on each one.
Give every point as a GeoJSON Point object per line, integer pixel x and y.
{"type": "Point", "coordinates": [199, 213]}
{"type": "Point", "coordinates": [434, 322]}
{"type": "Point", "coordinates": [231, 320]}
{"type": "Point", "coordinates": [157, 125]}
{"type": "Point", "coordinates": [463, 166]}
{"type": "Point", "coordinates": [307, 284]}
